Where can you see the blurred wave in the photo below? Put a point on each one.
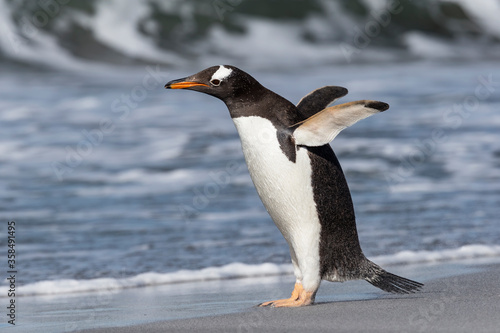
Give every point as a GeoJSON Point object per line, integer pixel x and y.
{"type": "Point", "coordinates": [237, 270]}
{"type": "Point", "coordinates": [259, 33]}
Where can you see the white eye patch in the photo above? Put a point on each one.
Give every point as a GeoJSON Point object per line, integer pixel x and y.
{"type": "Point", "coordinates": [221, 74]}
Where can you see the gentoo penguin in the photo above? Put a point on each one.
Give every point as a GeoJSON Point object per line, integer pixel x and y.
{"type": "Point", "coordinates": [298, 176]}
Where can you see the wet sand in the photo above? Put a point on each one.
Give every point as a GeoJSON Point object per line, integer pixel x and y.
{"type": "Point", "coordinates": [457, 297]}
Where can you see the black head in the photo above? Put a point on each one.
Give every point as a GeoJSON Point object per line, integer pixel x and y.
{"type": "Point", "coordinates": [225, 82]}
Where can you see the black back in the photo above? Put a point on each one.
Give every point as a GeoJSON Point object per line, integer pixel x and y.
{"type": "Point", "coordinates": [340, 251]}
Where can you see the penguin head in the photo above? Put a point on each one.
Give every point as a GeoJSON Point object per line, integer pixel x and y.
{"type": "Point", "coordinates": [224, 82]}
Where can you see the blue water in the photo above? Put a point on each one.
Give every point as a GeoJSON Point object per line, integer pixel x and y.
{"type": "Point", "coordinates": [107, 174]}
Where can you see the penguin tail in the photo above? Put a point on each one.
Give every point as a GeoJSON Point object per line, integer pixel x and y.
{"type": "Point", "coordinates": [393, 283]}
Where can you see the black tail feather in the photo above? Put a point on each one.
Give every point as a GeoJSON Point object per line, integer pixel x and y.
{"type": "Point", "coordinates": [394, 284]}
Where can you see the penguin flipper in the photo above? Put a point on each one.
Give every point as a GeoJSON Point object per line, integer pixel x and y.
{"type": "Point", "coordinates": [319, 99]}
{"type": "Point", "coordinates": [325, 125]}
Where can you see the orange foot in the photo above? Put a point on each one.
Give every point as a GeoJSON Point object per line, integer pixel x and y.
{"type": "Point", "coordinates": [299, 297]}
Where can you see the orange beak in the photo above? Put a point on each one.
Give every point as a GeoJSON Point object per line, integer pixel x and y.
{"type": "Point", "coordinates": [181, 84]}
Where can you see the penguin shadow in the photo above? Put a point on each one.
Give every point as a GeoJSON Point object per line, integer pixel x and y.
{"type": "Point", "coordinates": [371, 297]}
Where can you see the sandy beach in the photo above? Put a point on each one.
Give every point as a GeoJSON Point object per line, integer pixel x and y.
{"type": "Point", "coordinates": [460, 296]}
{"type": "Point", "coordinates": [467, 300]}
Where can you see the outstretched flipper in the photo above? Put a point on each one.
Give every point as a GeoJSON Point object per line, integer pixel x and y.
{"type": "Point", "coordinates": [324, 126]}
{"type": "Point", "coordinates": [319, 99]}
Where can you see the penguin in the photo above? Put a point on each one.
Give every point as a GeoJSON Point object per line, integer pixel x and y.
{"type": "Point", "coordinates": [298, 177]}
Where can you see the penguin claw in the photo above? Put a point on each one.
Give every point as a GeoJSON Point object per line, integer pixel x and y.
{"type": "Point", "coordinates": [266, 304]}
{"type": "Point", "coordinates": [274, 304]}
{"type": "Point", "coordinates": [288, 302]}
{"type": "Point", "coordinates": [277, 303]}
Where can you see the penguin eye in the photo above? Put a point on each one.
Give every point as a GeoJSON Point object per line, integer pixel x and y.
{"type": "Point", "coordinates": [215, 82]}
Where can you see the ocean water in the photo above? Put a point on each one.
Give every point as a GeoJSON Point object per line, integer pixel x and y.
{"type": "Point", "coordinates": [115, 182]}
{"type": "Point", "coordinates": [74, 34]}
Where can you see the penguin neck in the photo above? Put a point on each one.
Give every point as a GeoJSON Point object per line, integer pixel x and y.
{"type": "Point", "coordinates": [244, 100]}
{"type": "Point", "coordinates": [266, 104]}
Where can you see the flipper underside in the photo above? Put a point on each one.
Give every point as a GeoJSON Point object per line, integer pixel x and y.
{"type": "Point", "coordinates": [324, 126]}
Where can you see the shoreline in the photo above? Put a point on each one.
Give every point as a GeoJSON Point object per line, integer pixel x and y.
{"type": "Point", "coordinates": [466, 301]}
{"type": "Point", "coordinates": [457, 296]}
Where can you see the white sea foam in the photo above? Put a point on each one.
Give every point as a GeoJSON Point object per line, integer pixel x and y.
{"type": "Point", "coordinates": [230, 271]}
{"type": "Point", "coordinates": [428, 47]}
{"type": "Point", "coordinates": [485, 12]}
{"type": "Point", "coordinates": [240, 270]}
{"type": "Point", "coordinates": [139, 182]}
{"type": "Point", "coordinates": [257, 35]}
{"type": "Point", "coordinates": [415, 257]}
{"type": "Point", "coordinates": [43, 48]}
{"type": "Point", "coordinates": [115, 25]}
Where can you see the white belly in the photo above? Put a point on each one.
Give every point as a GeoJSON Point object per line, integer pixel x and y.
{"type": "Point", "coordinates": [285, 189]}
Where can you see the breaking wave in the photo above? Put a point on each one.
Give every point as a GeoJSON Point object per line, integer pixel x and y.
{"type": "Point", "coordinates": [240, 270]}
{"type": "Point", "coordinates": [71, 34]}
